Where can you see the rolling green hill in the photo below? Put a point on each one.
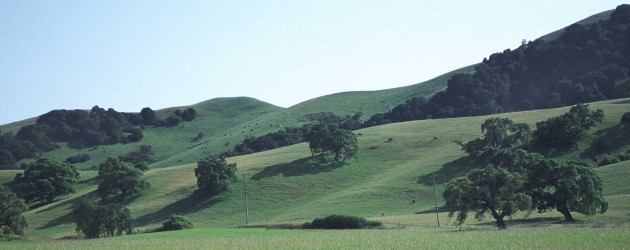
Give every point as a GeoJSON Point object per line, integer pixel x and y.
{"type": "Point", "coordinates": [227, 121]}
{"type": "Point", "coordinates": [286, 186]}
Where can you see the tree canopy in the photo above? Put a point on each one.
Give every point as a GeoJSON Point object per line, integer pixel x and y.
{"type": "Point", "coordinates": [120, 178]}
{"type": "Point", "coordinates": [486, 190]}
{"type": "Point", "coordinates": [568, 128]}
{"type": "Point", "coordinates": [11, 208]}
{"type": "Point", "coordinates": [566, 187]}
{"type": "Point", "coordinates": [95, 221]}
{"type": "Point", "coordinates": [46, 179]}
{"type": "Point", "coordinates": [499, 135]}
{"type": "Point", "coordinates": [214, 175]}
{"type": "Point", "coordinates": [323, 138]}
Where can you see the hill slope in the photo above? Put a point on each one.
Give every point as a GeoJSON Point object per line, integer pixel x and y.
{"type": "Point", "coordinates": [285, 185]}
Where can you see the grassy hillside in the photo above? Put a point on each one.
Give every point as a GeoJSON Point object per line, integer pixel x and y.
{"type": "Point", "coordinates": [227, 121]}
{"type": "Point", "coordinates": [589, 20]}
{"type": "Point", "coordinates": [287, 186]}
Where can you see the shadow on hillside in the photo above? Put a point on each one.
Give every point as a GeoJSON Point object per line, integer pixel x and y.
{"type": "Point", "coordinates": [67, 218]}
{"type": "Point", "coordinates": [448, 171]}
{"type": "Point", "coordinates": [618, 136]}
{"type": "Point", "coordinates": [189, 204]}
{"type": "Point", "coordinates": [529, 222]}
{"type": "Point", "coordinates": [554, 150]}
{"type": "Point", "coordinates": [92, 181]}
{"type": "Point", "coordinates": [308, 165]}
{"type": "Point", "coordinates": [431, 210]}
{"type": "Point", "coordinates": [64, 219]}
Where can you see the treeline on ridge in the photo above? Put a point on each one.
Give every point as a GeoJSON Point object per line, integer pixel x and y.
{"type": "Point", "coordinates": [293, 135]}
{"type": "Point", "coordinates": [586, 63]}
{"type": "Point", "coordinates": [80, 129]}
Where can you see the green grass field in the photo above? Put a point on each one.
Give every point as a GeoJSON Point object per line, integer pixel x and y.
{"type": "Point", "coordinates": [287, 186]}
{"type": "Point", "coordinates": [520, 238]}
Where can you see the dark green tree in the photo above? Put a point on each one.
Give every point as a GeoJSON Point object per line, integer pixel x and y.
{"type": "Point", "coordinates": [625, 119]}
{"type": "Point", "coordinates": [11, 208]}
{"type": "Point", "coordinates": [568, 128]}
{"type": "Point", "coordinates": [499, 135]}
{"type": "Point", "coordinates": [95, 221]}
{"type": "Point", "coordinates": [485, 190]}
{"type": "Point", "coordinates": [214, 175]}
{"type": "Point", "coordinates": [148, 116]}
{"type": "Point", "coordinates": [330, 138]}
{"type": "Point", "coordinates": [176, 222]}
{"type": "Point", "coordinates": [567, 187]}
{"type": "Point", "coordinates": [46, 179]}
{"type": "Point", "coordinates": [120, 178]}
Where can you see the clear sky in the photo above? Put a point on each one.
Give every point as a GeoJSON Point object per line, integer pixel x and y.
{"type": "Point", "coordinates": [128, 55]}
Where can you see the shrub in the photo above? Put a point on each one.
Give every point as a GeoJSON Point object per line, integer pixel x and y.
{"type": "Point", "coordinates": [601, 145]}
{"type": "Point", "coordinates": [341, 222]}
{"type": "Point", "coordinates": [176, 222]}
{"type": "Point", "coordinates": [78, 158]}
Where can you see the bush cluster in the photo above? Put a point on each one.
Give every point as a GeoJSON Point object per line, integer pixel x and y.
{"type": "Point", "coordinates": [341, 222]}
{"type": "Point", "coordinates": [176, 222]}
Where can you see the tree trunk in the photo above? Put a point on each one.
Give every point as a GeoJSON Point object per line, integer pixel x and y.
{"type": "Point", "coordinates": [562, 208]}
{"type": "Point", "coordinates": [123, 192]}
{"type": "Point", "coordinates": [500, 222]}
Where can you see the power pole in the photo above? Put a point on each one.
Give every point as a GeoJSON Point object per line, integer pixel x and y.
{"type": "Point", "coordinates": [246, 205]}
{"type": "Point", "coordinates": [435, 196]}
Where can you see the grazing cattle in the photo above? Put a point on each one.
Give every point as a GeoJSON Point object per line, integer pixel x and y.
{"type": "Point", "coordinates": [359, 134]}
{"type": "Point", "coordinates": [434, 138]}
{"type": "Point", "coordinates": [390, 139]}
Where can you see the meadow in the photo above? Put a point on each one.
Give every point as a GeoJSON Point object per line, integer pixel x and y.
{"type": "Point", "coordinates": [554, 237]}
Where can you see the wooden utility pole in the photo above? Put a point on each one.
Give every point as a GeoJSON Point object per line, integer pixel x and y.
{"type": "Point", "coordinates": [435, 196]}
{"type": "Point", "coordinates": [246, 205]}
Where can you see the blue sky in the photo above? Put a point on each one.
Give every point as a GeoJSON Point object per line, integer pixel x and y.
{"type": "Point", "coordinates": [128, 55]}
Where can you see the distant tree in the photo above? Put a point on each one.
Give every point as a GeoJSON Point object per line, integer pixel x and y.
{"type": "Point", "coordinates": [6, 159]}
{"type": "Point", "coordinates": [148, 116]}
{"type": "Point", "coordinates": [173, 120]}
{"type": "Point", "coordinates": [101, 221]}
{"type": "Point", "coordinates": [22, 149]}
{"type": "Point", "coordinates": [486, 190]}
{"type": "Point", "coordinates": [46, 179]}
{"type": "Point", "coordinates": [188, 114]}
{"type": "Point", "coordinates": [499, 134]}
{"type": "Point", "coordinates": [214, 175]}
{"type": "Point", "coordinates": [330, 138]}
{"type": "Point", "coordinates": [567, 128]}
{"type": "Point", "coordinates": [135, 134]}
{"type": "Point", "coordinates": [139, 158]}
{"type": "Point", "coordinates": [566, 187]}
{"type": "Point", "coordinates": [176, 222]}
{"type": "Point", "coordinates": [79, 158]}
{"type": "Point", "coordinates": [120, 178]}
{"type": "Point", "coordinates": [623, 88]}
{"type": "Point", "coordinates": [625, 119]}
{"type": "Point", "coordinates": [11, 208]}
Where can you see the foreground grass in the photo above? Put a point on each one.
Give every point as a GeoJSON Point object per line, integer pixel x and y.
{"type": "Point", "coordinates": [560, 237]}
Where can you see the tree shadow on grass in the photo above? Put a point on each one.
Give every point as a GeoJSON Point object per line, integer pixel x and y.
{"type": "Point", "coordinates": [187, 205]}
{"type": "Point", "coordinates": [431, 210]}
{"type": "Point", "coordinates": [618, 136]}
{"type": "Point", "coordinates": [448, 171]}
{"type": "Point", "coordinates": [308, 165]}
{"type": "Point", "coordinates": [64, 219]}
{"type": "Point", "coordinates": [529, 222]}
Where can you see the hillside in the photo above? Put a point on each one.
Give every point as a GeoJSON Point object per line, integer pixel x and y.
{"type": "Point", "coordinates": [285, 185]}
{"type": "Point", "coordinates": [227, 121]}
